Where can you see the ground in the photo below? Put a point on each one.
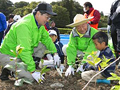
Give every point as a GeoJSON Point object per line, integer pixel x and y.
{"type": "Point", "coordinates": [70, 83]}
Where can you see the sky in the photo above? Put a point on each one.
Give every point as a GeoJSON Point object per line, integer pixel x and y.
{"type": "Point", "coordinates": [101, 5]}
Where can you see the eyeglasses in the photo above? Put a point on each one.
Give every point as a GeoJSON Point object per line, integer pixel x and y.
{"type": "Point", "coordinates": [47, 16]}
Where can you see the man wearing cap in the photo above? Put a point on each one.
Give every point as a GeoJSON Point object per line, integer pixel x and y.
{"type": "Point", "coordinates": [30, 33]}
{"type": "Point", "coordinates": [80, 39]}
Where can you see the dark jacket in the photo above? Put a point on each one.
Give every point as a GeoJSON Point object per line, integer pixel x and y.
{"type": "Point", "coordinates": [8, 27]}
{"type": "Point", "coordinates": [59, 46]}
{"type": "Point", "coordinates": [114, 18]}
{"type": "Point", "coordinates": [109, 55]}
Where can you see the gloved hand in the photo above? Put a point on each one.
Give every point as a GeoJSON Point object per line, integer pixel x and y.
{"type": "Point", "coordinates": [69, 71]}
{"type": "Point", "coordinates": [80, 68]}
{"type": "Point", "coordinates": [56, 60]}
{"type": "Point", "coordinates": [37, 76]}
{"type": "Point", "coordinates": [49, 56]}
{"type": "Point", "coordinates": [108, 28]}
{"type": "Point", "coordinates": [118, 9]}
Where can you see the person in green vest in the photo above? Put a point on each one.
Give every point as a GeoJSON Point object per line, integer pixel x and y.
{"type": "Point", "coordinates": [80, 39]}
{"type": "Point", "coordinates": [28, 32]}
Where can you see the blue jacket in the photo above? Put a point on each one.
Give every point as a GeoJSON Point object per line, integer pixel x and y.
{"type": "Point", "coordinates": [3, 24]}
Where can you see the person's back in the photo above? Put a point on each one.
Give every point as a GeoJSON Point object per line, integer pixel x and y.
{"type": "Point", "coordinates": [114, 16]}
{"type": "Point", "coordinates": [114, 26]}
{"type": "Point", "coordinates": [3, 25]}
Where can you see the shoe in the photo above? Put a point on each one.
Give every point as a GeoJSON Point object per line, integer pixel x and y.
{"type": "Point", "coordinates": [5, 74]}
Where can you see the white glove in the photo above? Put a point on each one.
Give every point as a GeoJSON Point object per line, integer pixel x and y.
{"type": "Point", "coordinates": [118, 9]}
{"type": "Point", "coordinates": [69, 71]}
{"type": "Point", "coordinates": [48, 63]}
{"type": "Point", "coordinates": [37, 76]}
{"type": "Point", "coordinates": [108, 28]}
{"type": "Point", "coordinates": [49, 56]}
{"type": "Point", "coordinates": [56, 59]}
{"type": "Point", "coordinates": [80, 68]}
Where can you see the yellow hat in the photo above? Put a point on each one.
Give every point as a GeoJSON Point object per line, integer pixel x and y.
{"type": "Point", "coordinates": [79, 19]}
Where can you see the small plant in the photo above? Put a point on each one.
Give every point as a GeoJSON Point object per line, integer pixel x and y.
{"type": "Point", "coordinates": [115, 77]}
{"type": "Point", "coordinates": [42, 71]}
{"type": "Point", "coordinates": [16, 53]}
{"type": "Point", "coordinates": [94, 60]}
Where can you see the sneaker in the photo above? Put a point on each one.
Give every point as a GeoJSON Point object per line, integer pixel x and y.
{"type": "Point", "coordinates": [5, 74]}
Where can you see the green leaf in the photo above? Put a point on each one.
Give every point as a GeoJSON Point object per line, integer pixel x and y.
{"type": "Point", "coordinates": [27, 81]}
{"type": "Point", "coordinates": [9, 66]}
{"type": "Point", "coordinates": [18, 82]}
{"type": "Point", "coordinates": [20, 50]}
{"type": "Point", "coordinates": [116, 87]}
{"type": "Point", "coordinates": [18, 71]}
{"type": "Point", "coordinates": [11, 59]}
{"type": "Point", "coordinates": [17, 48]}
{"type": "Point", "coordinates": [44, 70]}
{"type": "Point", "coordinates": [90, 62]}
{"type": "Point", "coordinates": [47, 51]}
{"type": "Point", "coordinates": [97, 60]}
{"type": "Point", "coordinates": [42, 61]}
{"type": "Point", "coordinates": [22, 65]}
{"type": "Point", "coordinates": [13, 52]}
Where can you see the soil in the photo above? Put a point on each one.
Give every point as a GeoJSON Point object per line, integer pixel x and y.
{"type": "Point", "coordinates": [70, 83]}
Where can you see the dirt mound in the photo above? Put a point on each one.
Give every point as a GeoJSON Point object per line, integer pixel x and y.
{"type": "Point", "coordinates": [52, 77]}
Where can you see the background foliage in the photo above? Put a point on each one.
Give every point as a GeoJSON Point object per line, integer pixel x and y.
{"type": "Point", "coordinates": [66, 10]}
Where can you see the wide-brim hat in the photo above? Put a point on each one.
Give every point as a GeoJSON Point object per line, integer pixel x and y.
{"type": "Point", "coordinates": [78, 20]}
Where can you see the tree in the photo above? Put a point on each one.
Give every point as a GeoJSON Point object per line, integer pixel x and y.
{"type": "Point", "coordinates": [21, 4]}
{"type": "Point", "coordinates": [103, 21]}
{"type": "Point", "coordinates": [26, 9]}
{"type": "Point", "coordinates": [62, 17]}
{"type": "Point", "coordinates": [6, 7]}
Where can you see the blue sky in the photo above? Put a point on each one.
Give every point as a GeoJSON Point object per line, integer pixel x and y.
{"type": "Point", "coordinates": [101, 5]}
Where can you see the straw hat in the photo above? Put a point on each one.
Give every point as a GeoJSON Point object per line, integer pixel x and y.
{"type": "Point", "coordinates": [79, 19]}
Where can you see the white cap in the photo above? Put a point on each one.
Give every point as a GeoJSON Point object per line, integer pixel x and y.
{"type": "Point", "coordinates": [52, 32]}
{"type": "Point", "coordinates": [17, 17]}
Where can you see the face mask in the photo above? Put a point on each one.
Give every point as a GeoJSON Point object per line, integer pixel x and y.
{"type": "Point", "coordinates": [84, 10]}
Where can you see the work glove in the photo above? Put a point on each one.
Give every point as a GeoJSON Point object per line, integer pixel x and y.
{"type": "Point", "coordinates": [49, 56]}
{"type": "Point", "coordinates": [80, 68]}
{"type": "Point", "coordinates": [56, 60]}
{"type": "Point", "coordinates": [37, 76]}
{"type": "Point", "coordinates": [118, 9]}
{"type": "Point", "coordinates": [108, 28]}
{"type": "Point", "coordinates": [69, 71]}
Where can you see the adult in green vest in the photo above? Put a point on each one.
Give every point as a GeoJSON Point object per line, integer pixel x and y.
{"type": "Point", "coordinates": [28, 32]}
{"type": "Point", "coordinates": [80, 39]}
